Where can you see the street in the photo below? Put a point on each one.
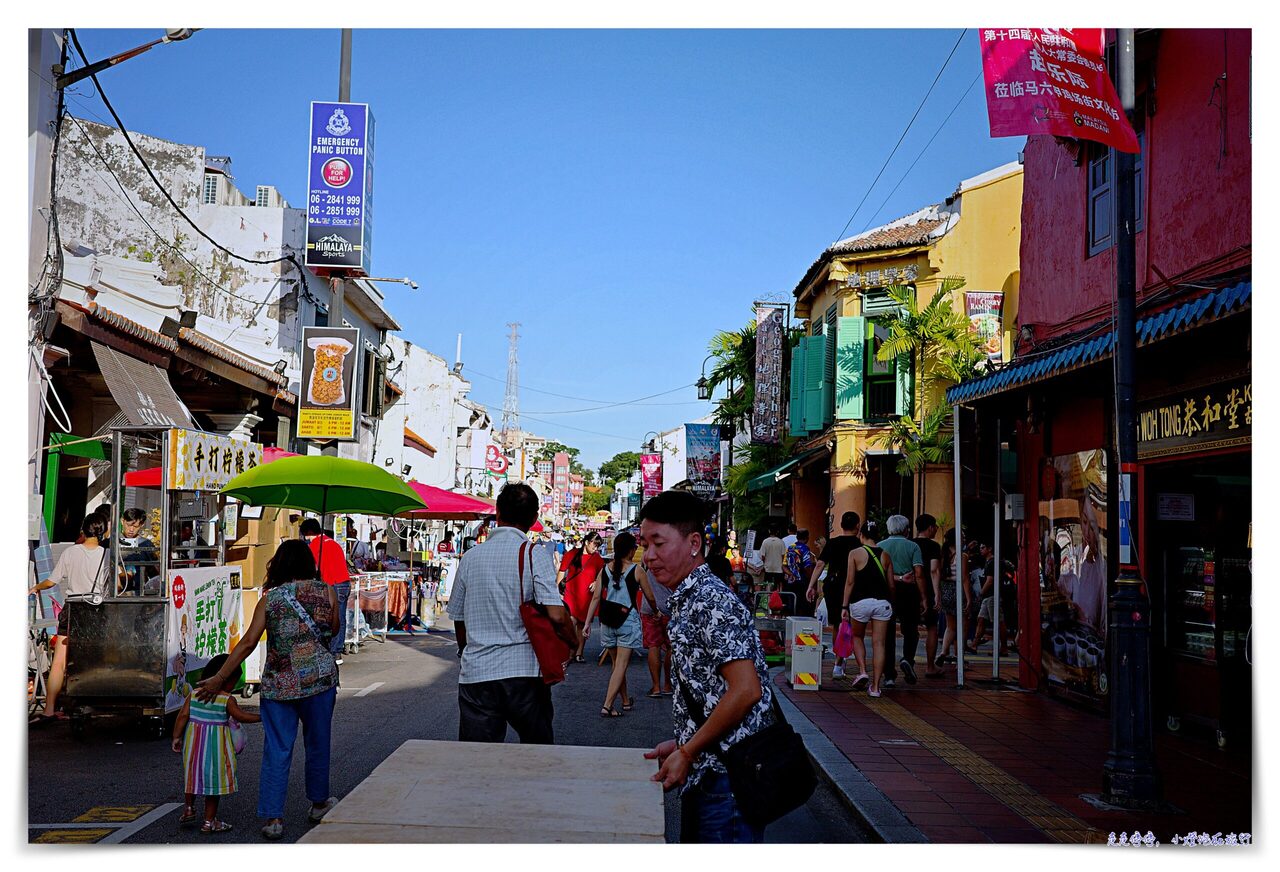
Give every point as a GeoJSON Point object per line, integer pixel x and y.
{"type": "Point", "coordinates": [114, 785]}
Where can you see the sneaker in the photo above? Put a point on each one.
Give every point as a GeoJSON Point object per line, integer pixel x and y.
{"type": "Point", "coordinates": [338, 661]}
{"type": "Point", "coordinates": [874, 694]}
{"type": "Point", "coordinates": [315, 815]}
{"type": "Point", "coordinates": [908, 670]}
{"type": "Point", "coordinates": [887, 683]}
{"type": "Point", "coordinates": [837, 672]}
{"type": "Point", "coordinates": [273, 831]}
{"type": "Point", "coordinates": [861, 681]}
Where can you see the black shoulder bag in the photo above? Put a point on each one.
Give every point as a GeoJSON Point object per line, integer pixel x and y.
{"type": "Point", "coordinates": [613, 615]}
{"type": "Point", "coordinates": [770, 773]}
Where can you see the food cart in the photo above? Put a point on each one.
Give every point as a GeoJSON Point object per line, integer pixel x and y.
{"type": "Point", "coordinates": [169, 603]}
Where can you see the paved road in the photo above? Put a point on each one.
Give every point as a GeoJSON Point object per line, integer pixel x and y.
{"type": "Point", "coordinates": [116, 784]}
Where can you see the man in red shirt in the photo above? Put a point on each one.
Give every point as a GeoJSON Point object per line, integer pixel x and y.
{"type": "Point", "coordinates": [332, 560]}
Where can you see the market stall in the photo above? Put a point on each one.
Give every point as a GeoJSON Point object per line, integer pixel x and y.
{"type": "Point", "coordinates": [447, 506]}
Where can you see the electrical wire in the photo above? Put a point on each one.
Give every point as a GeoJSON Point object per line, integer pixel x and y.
{"type": "Point", "coordinates": [583, 399]}
{"type": "Point", "coordinates": [905, 131]}
{"type": "Point", "coordinates": [580, 429]}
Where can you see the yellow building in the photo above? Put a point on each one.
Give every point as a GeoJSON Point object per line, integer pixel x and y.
{"type": "Point", "coordinates": [841, 397]}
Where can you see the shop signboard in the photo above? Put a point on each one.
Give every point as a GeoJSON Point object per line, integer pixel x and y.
{"type": "Point", "coordinates": [340, 188]}
{"type": "Point", "coordinates": [200, 461]}
{"type": "Point", "coordinates": [702, 458]}
{"type": "Point", "coordinates": [328, 396]}
{"type": "Point", "coordinates": [1216, 416]}
{"type": "Point", "coordinates": [495, 462]}
{"type": "Point", "coordinates": [651, 475]}
{"type": "Point", "coordinates": [1073, 571]}
{"type": "Point", "coordinates": [766, 410]}
{"type": "Point", "coordinates": [1052, 81]}
{"type": "Point", "coordinates": [983, 309]}
{"type": "Point", "coordinates": [205, 620]}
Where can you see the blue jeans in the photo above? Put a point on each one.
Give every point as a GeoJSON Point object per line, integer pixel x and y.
{"type": "Point", "coordinates": [280, 729]}
{"type": "Point", "coordinates": [342, 590]}
{"type": "Point", "coordinates": [709, 814]}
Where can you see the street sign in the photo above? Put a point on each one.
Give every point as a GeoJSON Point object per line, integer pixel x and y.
{"type": "Point", "coordinates": [340, 188]}
{"type": "Point", "coordinates": [327, 400]}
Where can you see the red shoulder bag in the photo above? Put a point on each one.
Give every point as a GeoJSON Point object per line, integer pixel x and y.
{"type": "Point", "coordinates": [552, 651]}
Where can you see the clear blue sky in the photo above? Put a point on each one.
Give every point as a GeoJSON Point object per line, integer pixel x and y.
{"type": "Point", "coordinates": [623, 194]}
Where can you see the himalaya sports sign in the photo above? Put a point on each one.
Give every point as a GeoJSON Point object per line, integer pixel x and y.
{"type": "Point", "coordinates": [340, 187]}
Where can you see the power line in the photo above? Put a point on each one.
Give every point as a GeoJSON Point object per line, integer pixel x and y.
{"type": "Point", "coordinates": [581, 430]}
{"type": "Point", "coordinates": [903, 136]}
{"type": "Point", "coordinates": [607, 403]}
{"type": "Point", "coordinates": [922, 151]}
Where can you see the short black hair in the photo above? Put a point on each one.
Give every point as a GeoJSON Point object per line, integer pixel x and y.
{"type": "Point", "coordinates": [850, 521]}
{"type": "Point", "coordinates": [924, 522]}
{"type": "Point", "coordinates": [791, 528]}
{"type": "Point", "coordinates": [802, 535]}
{"type": "Point", "coordinates": [133, 515]}
{"type": "Point", "coordinates": [309, 527]}
{"type": "Point", "coordinates": [94, 526]}
{"type": "Point", "coordinates": [681, 509]}
{"type": "Point", "coordinates": [212, 667]}
{"type": "Point", "coordinates": [518, 505]}
{"type": "Point", "coordinates": [720, 566]}
{"type": "Point", "coordinates": [293, 561]}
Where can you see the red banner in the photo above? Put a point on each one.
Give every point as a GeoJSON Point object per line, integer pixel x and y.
{"type": "Point", "coordinates": [1052, 81]}
{"type": "Point", "coordinates": [651, 474]}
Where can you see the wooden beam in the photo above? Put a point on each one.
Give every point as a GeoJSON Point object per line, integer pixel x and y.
{"type": "Point", "coordinates": [225, 370]}
{"type": "Point", "coordinates": [87, 327]}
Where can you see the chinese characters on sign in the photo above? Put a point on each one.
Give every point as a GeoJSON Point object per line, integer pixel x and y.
{"type": "Point", "coordinates": [340, 187]}
{"type": "Point", "coordinates": [207, 461]}
{"type": "Point", "coordinates": [1217, 416]}
{"type": "Point", "coordinates": [1052, 81]}
{"type": "Point", "coordinates": [984, 309]}
{"type": "Point", "coordinates": [702, 458]}
{"type": "Point", "coordinates": [203, 623]}
{"type": "Point", "coordinates": [651, 474]}
{"type": "Point", "coordinates": [327, 400]}
{"type": "Point", "coordinates": [766, 411]}
{"type": "Point", "coordinates": [880, 277]}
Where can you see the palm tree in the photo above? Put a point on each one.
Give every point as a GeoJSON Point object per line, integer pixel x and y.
{"type": "Point", "coordinates": [734, 355]}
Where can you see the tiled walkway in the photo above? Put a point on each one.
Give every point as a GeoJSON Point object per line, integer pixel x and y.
{"type": "Point", "coordinates": [1001, 765]}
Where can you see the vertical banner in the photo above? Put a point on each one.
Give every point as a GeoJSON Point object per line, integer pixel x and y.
{"type": "Point", "coordinates": [984, 309]}
{"type": "Point", "coordinates": [328, 394]}
{"type": "Point", "coordinates": [766, 411]}
{"type": "Point", "coordinates": [651, 475]}
{"type": "Point", "coordinates": [340, 187]}
{"type": "Point", "coordinates": [702, 458]}
{"type": "Point", "coordinates": [1052, 81]}
{"type": "Point", "coordinates": [204, 621]}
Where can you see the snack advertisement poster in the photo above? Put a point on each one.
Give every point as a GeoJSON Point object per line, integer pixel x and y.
{"type": "Point", "coordinates": [329, 390]}
{"type": "Point", "coordinates": [984, 309]}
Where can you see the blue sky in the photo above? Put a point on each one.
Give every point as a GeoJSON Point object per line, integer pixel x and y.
{"type": "Point", "coordinates": [623, 194]}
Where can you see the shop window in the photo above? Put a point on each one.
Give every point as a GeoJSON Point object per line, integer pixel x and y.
{"type": "Point", "coordinates": [210, 197]}
{"type": "Point", "coordinates": [1102, 166]}
{"type": "Point", "coordinates": [881, 376]}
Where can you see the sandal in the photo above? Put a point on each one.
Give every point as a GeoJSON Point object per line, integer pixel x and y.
{"type": "Point", "coordinates": [606, 712]}
{"type": "Point", "coordinates": [654, 694]}
{"type": "Point", "coordinates": [578, 658]}
{"type": "Point", "coordinates": [629, 704]}
{"type": "Point", "coordinates": [188, 816]}
{"type": "Point", "coordinates": [213, 827]}
{"type": "Point", "coordinates": [273, 831]}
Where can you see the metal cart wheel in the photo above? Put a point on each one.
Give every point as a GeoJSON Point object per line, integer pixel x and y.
{"type": "Point", "coordinates": [247, 691]}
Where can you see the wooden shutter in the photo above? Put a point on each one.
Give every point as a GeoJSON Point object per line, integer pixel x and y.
{"type": "Point", "coordinates": [902, 386]}
{"type": "Point", "coordinates": [795, 398]}
{"type": "Point", "coordinates": [815, 367]}
{"type": "Point", "coordinates": [851, 345]}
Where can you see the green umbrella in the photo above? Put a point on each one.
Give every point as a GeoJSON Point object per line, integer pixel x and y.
{"type": "Point", "coordinates": [325, 484]}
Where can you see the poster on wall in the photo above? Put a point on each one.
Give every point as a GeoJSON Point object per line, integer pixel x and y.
{"type": "Point", "coordinates": [1073, 571]}
{"type": "Point", "coordinates": [766, 410]}
{"type": "Point", "coordinates": [205, 620]}
{"type": "Point", "coordinates": [651, 475]}
{"type": "Point", "coordinates": [983, 309]}
{"type": "Point", "coordinates": [327, 399]}
{"type": "Point", "coordinates": [702, 458]}
{"type": "Point", "coordinates": [340, 187]}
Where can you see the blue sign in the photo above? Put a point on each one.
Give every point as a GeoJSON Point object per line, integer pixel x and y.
{"type": "Point", "coordinates": [702, 458]}
{"type": "Point", "coordinates": [340, 188]}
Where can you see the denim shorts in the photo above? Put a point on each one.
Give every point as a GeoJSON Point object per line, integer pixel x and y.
{"type": "Point", "coordinates": [868, 610]}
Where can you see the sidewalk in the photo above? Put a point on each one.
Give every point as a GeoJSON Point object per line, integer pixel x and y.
{"type": "Point", "coordinates": [998, 764]}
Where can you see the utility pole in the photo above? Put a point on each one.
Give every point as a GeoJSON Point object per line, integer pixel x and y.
{"type": "Point", "coordinates": [337, 281]}
{"type": "Point", "coordinates": [1130, 778]}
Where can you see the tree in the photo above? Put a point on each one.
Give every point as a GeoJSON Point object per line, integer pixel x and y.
{"type": "Point", "coordinates": [551, 449]}
{"type": "Point", "coordinates": [619, 468]}
{"type": "Point", "coordinates": [594, 499]}
{"type": "Point", "coordinates": [734, 355]}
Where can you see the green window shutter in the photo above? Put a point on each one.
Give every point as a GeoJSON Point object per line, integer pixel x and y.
{"type": "Point", "coordinates": [815, 366]}
{"type": "Point", "coordinates": [902, 386]}
{"type": "Point", "coordinates": [851, 346]}
{"type": "Point", "coordinates": [795, 400]}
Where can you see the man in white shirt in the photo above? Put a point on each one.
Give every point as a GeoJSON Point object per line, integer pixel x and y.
{"type": "Point", "coordinates": [773, 552]}
{"type": "Point", "coordinates": [791, 537]}
{"type": "Point", "coordinates": [500, 682]}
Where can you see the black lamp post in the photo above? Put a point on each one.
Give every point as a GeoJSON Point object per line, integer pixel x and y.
{"type": "Point", "coordinates": [704, 386]}
{"type": "Point", "coordinates": [175, 34]}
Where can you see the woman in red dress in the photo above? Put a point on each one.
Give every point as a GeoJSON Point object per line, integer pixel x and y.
{"type": "Point", "coordinates": [578, 572]}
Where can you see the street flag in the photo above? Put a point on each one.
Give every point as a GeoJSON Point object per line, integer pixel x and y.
{"type": "Point", "coordinates": [1052, 81]}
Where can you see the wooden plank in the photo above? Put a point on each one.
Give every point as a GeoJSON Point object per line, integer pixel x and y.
{"type": "Point", "coordinates": [374, 834]}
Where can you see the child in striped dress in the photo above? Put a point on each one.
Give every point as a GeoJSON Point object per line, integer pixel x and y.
{"type": "Point", "coordinates": [202, 734]}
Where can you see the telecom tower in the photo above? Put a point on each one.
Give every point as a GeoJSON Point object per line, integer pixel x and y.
{"type": "Point", "coordinates": [511, 404]}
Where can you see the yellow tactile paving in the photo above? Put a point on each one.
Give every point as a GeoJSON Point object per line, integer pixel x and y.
{"type": "Point", "coordinates": [68, 837]}
{"type": "Point", "coordinates": [1056, 822]}
{"type": "Point", "coordinates": [113, 814]}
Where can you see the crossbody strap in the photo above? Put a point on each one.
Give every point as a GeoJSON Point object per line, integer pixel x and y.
{"type": "Point", "coordinates": [301, 612]}
{"type": "Point", "coordinates": [699, 715]}
{"type": "Point", "coordinates": [520, 565]}
{"type": "Point", "coordinates": [879, 565]}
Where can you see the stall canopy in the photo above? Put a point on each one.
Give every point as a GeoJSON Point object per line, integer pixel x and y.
{"type": "Point", "coordinates": [151, 477]}
{"type": "Point", "coordinates": [325, 484]}
{"type": "Point", "coordinates": [781, 471]}
{"type": "Point", "coordinates": [443, 505]}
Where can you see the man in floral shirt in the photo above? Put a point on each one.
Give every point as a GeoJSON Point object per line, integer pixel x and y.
{"type": "Point", "coordinates": [718, 667]}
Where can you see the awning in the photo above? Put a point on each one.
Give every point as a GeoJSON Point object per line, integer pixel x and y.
{"type": "Point", "coordinates": [443, 505]}
{"type": "Point", "coordinates": [141, 390]}
{"type": "Point", "coordinates": [151, 477]}
{"type": "Point", "coordinates": [778, 473]}
{"type": "Point", "coordinates": [1161, 325]}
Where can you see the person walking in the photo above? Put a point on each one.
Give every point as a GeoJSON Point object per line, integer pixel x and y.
{"type": "Point", "coordinates": [723, 691]}
{"type": "Point", "coordinates": [500, 683]}
{"type": "Point", "coordinates": [620, 631]}
{"type": "Point", "coordinates": [332, 561]}
{"type": "Point", "coordinates": [908, 598]}
{"type": "Point", "coordinates": [869, 594]}
{"type": "Point", "coordinates": [654, 621]}
{"type": "Point", "coordinates": [773, 552]}
{"type": "Point", "coordinates": [951, 589]}
{"type": "Point", "coordinates": [578, 572]}
{"type": "Point", "coordinates": [931, 551]}
{"type": "Point", "coordinates": [834, 557]}
{"type": "Point", "coordinates": [299, 614]}
{"type": "Point", "coordinates": [792, 535]}
{"type": "Point", "coordinates": [799, 573]}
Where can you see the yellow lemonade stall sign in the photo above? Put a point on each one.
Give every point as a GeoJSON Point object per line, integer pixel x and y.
{"type": "Point", "coordinates": [202, 461]}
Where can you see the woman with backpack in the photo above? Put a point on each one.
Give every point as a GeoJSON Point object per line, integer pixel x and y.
{"type": "Point", "coordinates": [579, 570]}
{"type": "Point", "coordinates": [615, 599]}
{"type": "Point", "coordinates": [869, 595]}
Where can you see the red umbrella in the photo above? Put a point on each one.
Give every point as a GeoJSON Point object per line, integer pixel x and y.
{"type": "Point", "coordinates": [443, 505]}
{"type": "Point", "coordinates": [151, 477]}
{"type": "Point", "coordinates": [537, 527]}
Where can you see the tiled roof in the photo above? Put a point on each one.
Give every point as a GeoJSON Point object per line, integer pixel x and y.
{"type": "Point", "coordinates": [1161, 325]}
{"type": "Point", "coordinates": [131, 327]}
{"type": "Point", "coordinates": [220, 351]}
{"type": "Point", "coordinates": [917, 233]}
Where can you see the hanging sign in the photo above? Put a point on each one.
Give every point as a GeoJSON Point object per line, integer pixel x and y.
{"type": "Point", "coordinates": [495, 461]}
{"type": "Point", "coordinates": [651, 475]}
{"type": "Point", "coordinates": [766, 410]}
{"type": "Point", "coordinates": [340, 187]}
{"type": "Point", "coordinates": [702, 458]}
{"type": "Point", "coordinates": [327, 399]}
{"type": "Point", "coordinates": [1048, 80]}
{"type": "Point", "coordinates": [202, 461]}
{"type": "Point", "coordinates": [984, 309]}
